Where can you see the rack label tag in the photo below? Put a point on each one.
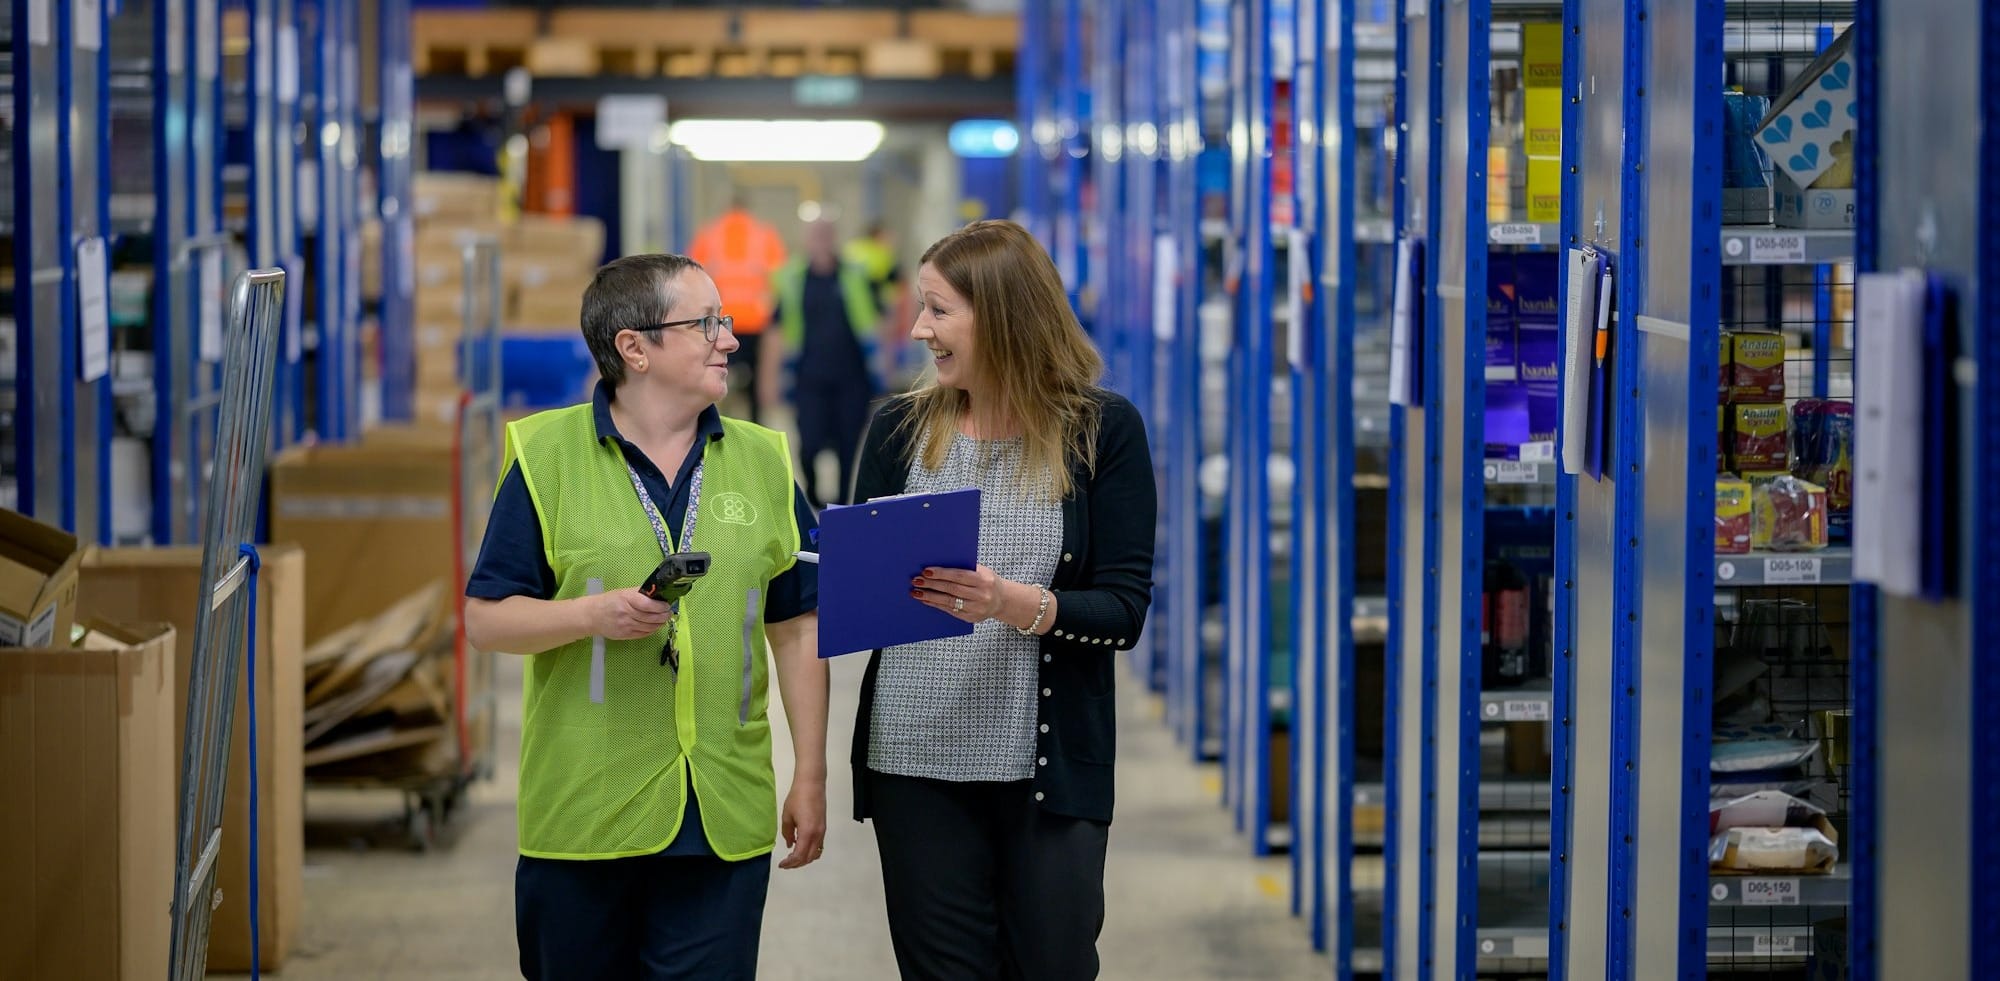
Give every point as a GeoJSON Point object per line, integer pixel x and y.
{"type": "Point", "coordinates": [1770, 892]}
{"type": "Point", "coordinates": [93, 285]}
{"type": "Point", "coordinates": [1768, 946]}
{"type": "Point", "coordinates": [1542, 452]}
{"type": "Point", "coordinates": [1777, 248]}
{"type": "Point", "coordinates": [1515, 233]}
{"type": "Point", "coordinates": [1513, 472]}
{"type": "Point", "coordinates": [1791, 570]}
{"type": "Point", "coordinates": [1525, 710]}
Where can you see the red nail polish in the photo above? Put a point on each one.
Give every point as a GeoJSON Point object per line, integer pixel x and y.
{"type": "Point", "coordinates": [916, 582]}
{"type": "Point", "coordinates": [914, 594]}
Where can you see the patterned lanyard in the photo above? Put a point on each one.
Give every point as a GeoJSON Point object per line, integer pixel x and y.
{"type": "Point", "coordinates": [659, 526]}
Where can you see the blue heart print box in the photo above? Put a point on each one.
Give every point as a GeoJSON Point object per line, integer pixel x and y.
{"type": "Point", "coordinates": [1810, 127]}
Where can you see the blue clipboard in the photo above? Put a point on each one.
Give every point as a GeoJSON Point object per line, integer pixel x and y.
{"type": "Point", "coordinates": [868, 553]}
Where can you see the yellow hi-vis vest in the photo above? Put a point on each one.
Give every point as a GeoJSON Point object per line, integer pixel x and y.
{"type": "Point", "coordinates": [855, 293]}
{"type": "Point", "coordinates": [611, 742]}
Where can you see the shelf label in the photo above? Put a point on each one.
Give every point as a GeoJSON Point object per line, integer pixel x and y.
{"type": "Point", "coordinates": [1515, 233]}
{"type": "Point", "coordinates": [1791, 570]}
{"type": "Point", "coordinates": [1770, 892]}
{"type": "Point", "coordinates": [1525, 710]}
{"type": "Point", "coordinates": [1542, 452]}
{"type": "Point", "coordinates": [1767, 946]}
{"type": "Point", "coordinates": [1777, 248]}
{"type": "Point", "coordinates": [1513, 472]}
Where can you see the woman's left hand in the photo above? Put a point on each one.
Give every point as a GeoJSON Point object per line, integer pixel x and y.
{"type": "Point", "coordinates": [973, 595]}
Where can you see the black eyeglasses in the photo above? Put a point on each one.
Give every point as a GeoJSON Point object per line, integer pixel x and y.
{"type": "Point", "coordinates": [712, 326]}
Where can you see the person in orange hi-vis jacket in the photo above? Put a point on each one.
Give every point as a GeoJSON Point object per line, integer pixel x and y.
{"type": "Point", "coordinates": [741, 253]}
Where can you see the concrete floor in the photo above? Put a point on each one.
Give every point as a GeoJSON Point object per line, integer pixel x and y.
{"type": "Point", "coordinates": [1185, 898]}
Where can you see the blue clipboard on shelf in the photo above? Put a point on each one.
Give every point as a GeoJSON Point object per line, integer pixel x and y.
{"type": "Point", "coordinates": [868, 553]}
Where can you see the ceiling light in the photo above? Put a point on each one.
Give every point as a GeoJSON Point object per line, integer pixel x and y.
{"type": "Point", "coordinates": [794, 140]}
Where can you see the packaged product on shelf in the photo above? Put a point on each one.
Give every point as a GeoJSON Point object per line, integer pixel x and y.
{"type": "Point", "coordinates": [1756, 367]}
{"type": "Point", "coordinates": [1542, 55]}
{"type": "Point", "coordinates": [1823, 453]}
{"type": "Point", "coordinates": [1759, 439]}
{"type": "Point", "coordinates": [1787, 514]}
{"type": "Point", "coordinates": [1545, 190]}
{"type": "Point", "coordinates": [1500, 343]}
{"type": "Point", "coordinates": [1507, 423]}
{"type": "Point", "coordinates": [1732, 516]}
{"type": "Point", "coordinates": [1725, 373]}
{"type": "Point", "coordinates": [1542, 122]}
{"type": "Point", "coordinates": [1770, 831]}
{"type": "Point", "coordinates": [1544, 409]}
{"type": "Point", "coordinates": [1746, 186]}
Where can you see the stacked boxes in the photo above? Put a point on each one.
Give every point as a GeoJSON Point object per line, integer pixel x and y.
{"type": "Point", "coordinates": [1541, 59]}
{"type": "Point", "coordinates": [1523, 346]}
{"type": "Point", "coordinates": [548, 264]}
{"type": "Point", "coordinates": [1758, 437]}
{"type": "Point", "coordinates": [1809, 134]}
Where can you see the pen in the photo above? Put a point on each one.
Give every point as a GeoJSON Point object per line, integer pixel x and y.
{"type": "Point", "coordinates": [812, 557]}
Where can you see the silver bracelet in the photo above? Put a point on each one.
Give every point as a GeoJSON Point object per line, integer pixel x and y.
{"type": "Point", "coordinates": [1040, 612]}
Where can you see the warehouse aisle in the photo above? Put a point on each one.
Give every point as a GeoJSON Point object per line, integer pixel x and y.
{"type": "Point", "coordinates": [1185, 900]}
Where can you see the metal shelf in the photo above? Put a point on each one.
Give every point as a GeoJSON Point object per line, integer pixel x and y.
{"type": "Point", "coordinates": [1831, 889]}
{"type": "Point", "coordinates": [1765, 245]}
{"type": "Point", "coordinates": [1531, 703]}
{"type": "Point", "coordinates": [1523, 233]}
{"type": "Point", "coordinates": [1826, 567]}
{"type": "Point", "coordinates": [932, 98]}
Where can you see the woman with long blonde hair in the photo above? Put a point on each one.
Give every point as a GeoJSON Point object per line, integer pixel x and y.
{"type": "Point", "coordinates": [985, 761]}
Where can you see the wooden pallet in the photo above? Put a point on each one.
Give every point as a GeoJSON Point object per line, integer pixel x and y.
{"type": "Point", "coordinates": [470, 42]}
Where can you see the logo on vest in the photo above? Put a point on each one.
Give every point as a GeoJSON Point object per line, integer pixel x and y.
{"type": "Point", "coordinates": [734, 509]}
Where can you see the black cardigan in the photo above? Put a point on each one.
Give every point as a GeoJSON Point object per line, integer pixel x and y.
{"type": "Point", "coordinates": [1103, 585]}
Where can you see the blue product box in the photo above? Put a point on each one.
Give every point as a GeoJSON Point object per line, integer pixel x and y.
{"type": "Point", "coordinates": [1502, 353]}
{"type": "Point", "coordinates": [1507, 424]}
{"type": "Point", "coordinates": [1537, 321]}
{"type": "Point", "coordinates": [1544, 409]}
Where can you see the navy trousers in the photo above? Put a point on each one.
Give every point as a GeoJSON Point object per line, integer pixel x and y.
{"type": "Point", "coordinates": [832, 415]}
{"type": "Point", "coordinates": [654, 916]}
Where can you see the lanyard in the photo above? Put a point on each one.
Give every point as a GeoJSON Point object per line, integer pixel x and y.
{"type": "Point", "coordinates": [659, 526]}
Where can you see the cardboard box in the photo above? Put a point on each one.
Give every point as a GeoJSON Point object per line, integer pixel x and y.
{"type": "Point", "coordinates": [559, 239]}
{"type": "Point", "coordinates": [1760, 438]}
{"type": "Point", "coordinates": [1542, 55]}
{"type": "Point", "coordinates": [1544, 410]}
{"type": "Point", "coordinates": [1756, 367]}
{"type": "Point", "coordinates": [449, 196]}
{"type": "Point", "coordinates": [164, 584]}
{"type": "Point", "coordinates": [37, 582]}
{"type": "Point", "coordinates": [1810, 128]}
{"type": "Point", "coordinates": [1500, 345]}
{"type": "Point", "coordinates": [375, 520]}
{"type": "Point", "coordinates": [1732, 516]}
{"type": "Point", "coordinates": [1814, 207]}
{"type": "Point", "coordinates": [1544, 190]}
{"type": "Point", "coordinates": [1542, 121]}
{"type": "Point", "coordinates": [87, 822]}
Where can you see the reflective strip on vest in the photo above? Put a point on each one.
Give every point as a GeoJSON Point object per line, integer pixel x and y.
{"type": "Point", "coordinates": [607, 776]}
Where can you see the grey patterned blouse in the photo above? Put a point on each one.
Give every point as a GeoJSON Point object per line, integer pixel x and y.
{"type": "Point", "coordinates": [963, 708]}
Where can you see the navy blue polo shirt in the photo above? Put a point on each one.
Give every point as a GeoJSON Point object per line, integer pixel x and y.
{"type": "Point", "coordinates": [513, 563]}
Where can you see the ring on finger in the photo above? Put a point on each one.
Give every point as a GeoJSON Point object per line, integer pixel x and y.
{"type": "Point", "coordinates": [958, 605]}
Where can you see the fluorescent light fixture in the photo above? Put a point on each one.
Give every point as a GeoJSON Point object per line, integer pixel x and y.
{"type": "Point", "coordinates": [984, 138]}
{"type": "Point", "coordinates": [792, 140]}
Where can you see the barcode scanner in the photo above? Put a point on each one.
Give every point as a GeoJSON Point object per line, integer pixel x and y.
{"type": "Point", "coordinates": [675, 576]}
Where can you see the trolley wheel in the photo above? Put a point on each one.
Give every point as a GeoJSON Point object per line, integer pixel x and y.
{"type": "Point", "coordinates": [420, 822]}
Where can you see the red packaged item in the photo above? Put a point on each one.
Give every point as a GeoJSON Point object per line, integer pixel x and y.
{"type": "Point", "coordinates": [1760, 438]}
{"type": "Point", "coordinates": [1789, 515]}
{"type": "Point", "coordinates": [1756, 367]}
{"type": "Point", "coordinates": [1732, 515]}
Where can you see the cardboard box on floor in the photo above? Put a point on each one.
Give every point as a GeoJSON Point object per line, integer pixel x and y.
{"type": "Point", "coordinates": [374, 519]}
{"type": "Point", "coordinates": [164, 584]}
{"type": "Point", "coordinates": [37, 582]}
{"type": "Point", "coordinates": [87, 822]}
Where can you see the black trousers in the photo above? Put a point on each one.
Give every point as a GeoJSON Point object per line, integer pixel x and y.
{"type": "Point", "coordinates": [983, 884]}
{"type": "Point", "coordinates": [653, 917]}
{"type": "Point", "coordinates": [747, 351]}
{"type": "Point", "coordinates": [833, 412]}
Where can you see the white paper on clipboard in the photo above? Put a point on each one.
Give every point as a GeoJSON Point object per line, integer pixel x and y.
{"type": "Point", "coordinates": [1889, 432]}
{"type": "Point", "coordinates": [1579, 326]}
{"type": "Point", "coordinates": [1296, 273]}
{"type": "Point", "coordinates": [1400, 326]}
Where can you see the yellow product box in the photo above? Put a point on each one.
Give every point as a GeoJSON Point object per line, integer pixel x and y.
{"type": "Point", "coordinates": [1761, 438]}
{"type": "Point", "coordinates": [1732, 515]}
{"type": "Point", "coordinates": [1544, 190]}
{"type": "Point", "coordinates": [1543, 121]}
{"type": "Point", "coordinates": [1542, 56]}
{"type": "Point", "coordinates": [1757, 367]}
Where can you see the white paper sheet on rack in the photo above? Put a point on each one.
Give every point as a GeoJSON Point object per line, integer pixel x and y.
{"type": "Point", "coordinates": [1579, 324]}
{"type": "Point", "coordinates": [1889, 432]}
{"type": "Point", "coordinates": [1297, 269]}
{"type": "Point", "coordinates": [1400, 326]}
{"type": "Point", "coordinates": [93, 287]}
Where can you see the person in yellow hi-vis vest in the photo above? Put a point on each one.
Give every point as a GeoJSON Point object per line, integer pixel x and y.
{"type": "Point", "coordinates": [648, 807]}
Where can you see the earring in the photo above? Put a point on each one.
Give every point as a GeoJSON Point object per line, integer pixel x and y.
{"type": "Point", "coordinates": [642, 366]}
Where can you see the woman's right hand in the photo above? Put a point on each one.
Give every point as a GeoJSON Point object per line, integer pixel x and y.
{"type": "Point", "coordinates": [625, 614]}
